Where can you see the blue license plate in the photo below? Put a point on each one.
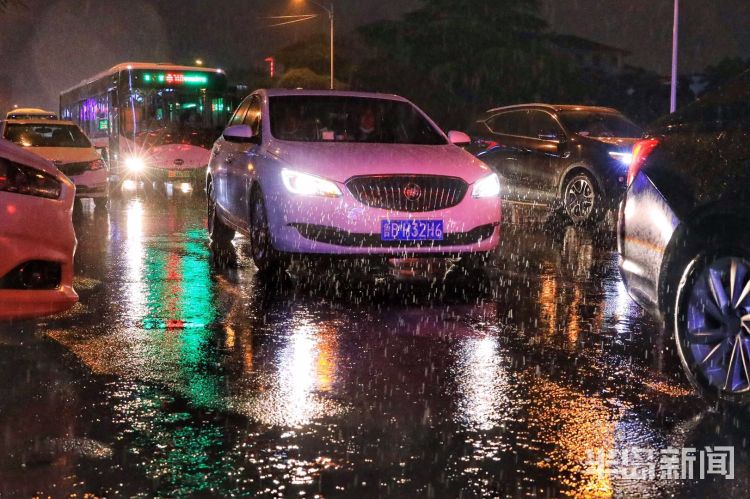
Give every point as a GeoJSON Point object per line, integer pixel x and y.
{"type": "Point", "coordinates": [411, 230]}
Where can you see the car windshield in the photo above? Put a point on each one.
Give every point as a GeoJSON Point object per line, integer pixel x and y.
{"type": "Point", "coordinates": [46, 135]}
{"type": "Point", "coordinates": [313, 118]}
{"type": "Point", "coordinates": [598, 124]}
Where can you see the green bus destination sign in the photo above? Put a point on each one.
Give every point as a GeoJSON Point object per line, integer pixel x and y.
{"type": "Point", "coordinates": [176, 78]}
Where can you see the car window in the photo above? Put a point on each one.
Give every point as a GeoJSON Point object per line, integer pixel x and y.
{"type": "Point", "coordinates": [541, 124]}
{"type": "Point", "coordinates": [509, 123]}
{"type": "Point", "coordinates": [321, 118]}
{"type": "Point", "coordinates": [252, 118]}
{"type": "Point", "coordinates": [599, 124]}
{"type": "Point", "coordinates": [44, 135]}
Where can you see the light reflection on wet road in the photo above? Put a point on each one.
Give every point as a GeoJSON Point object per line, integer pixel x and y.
{"type": "Point", "coordinates": [178, 375]}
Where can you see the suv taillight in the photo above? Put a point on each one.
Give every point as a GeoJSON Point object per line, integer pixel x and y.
{"type": "Point", "coordinates": [641, 150]}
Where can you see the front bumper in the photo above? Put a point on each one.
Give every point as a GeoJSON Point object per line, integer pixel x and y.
{"type": "Point", "coordinates": [345, 226]}
{"type": "Point", "coordinates": [91, 184]}
{"type": "Point", "coordinates": [37, 229]}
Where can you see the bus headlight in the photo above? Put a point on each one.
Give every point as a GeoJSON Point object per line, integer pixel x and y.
{"type": "Point", "coordinates": [134, 164]}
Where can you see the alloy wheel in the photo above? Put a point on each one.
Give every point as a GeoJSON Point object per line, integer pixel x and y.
{"type": "Point", "coordinates": [579, 198]}
{"type": "Point", "coordinates": [715, 344]}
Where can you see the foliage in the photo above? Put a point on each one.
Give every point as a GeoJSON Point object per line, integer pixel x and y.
{"type": "Point", "coordinates": [312, 53]}
{"type": "Point", "coordinates": [725, 70]}
{"type": "Point", "coordinates": [307, 79]}
{"type": "Point", "coordinates": [460, 57]}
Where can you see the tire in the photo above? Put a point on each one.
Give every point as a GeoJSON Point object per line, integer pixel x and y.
{"type": "Point", "coordinates": [218, 231]}
{"type": "Point", "coordinates": [711, 321]}
{"type": "Point", "coordinates": [581, 199]}
{"type": "Point", "coordinates": [101, 203]}
{"type": "Point", "coordinates": [266, 258]}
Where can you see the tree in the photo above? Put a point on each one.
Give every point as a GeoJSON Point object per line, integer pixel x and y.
{"type": "Point", "coordinates": [459, 57]}
{"type": "Point", "coordinates": [307, 79]}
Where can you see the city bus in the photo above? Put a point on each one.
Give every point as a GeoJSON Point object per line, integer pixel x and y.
{"type": "Point", "coordinates": [154, 123]}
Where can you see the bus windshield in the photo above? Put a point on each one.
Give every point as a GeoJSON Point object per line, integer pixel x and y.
{"type": "Point", "coordinates": [166, 116]}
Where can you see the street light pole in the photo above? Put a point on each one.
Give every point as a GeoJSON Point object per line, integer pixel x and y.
{"type": "Point", "coordinates": [328, 10]}
{"type": "Point", "coordinates": [675, 31]}
{"type": "Point", "coordinates": [330, 15]}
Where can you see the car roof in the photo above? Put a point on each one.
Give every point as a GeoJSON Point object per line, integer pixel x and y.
{"type": "Point", "coordinates": [275, 92]}
{"type": "Point", "coordinates": [554, 108]}
{"type": "Point", "coordinates": [29, 110]}
{"type": "Point", "coordinates": [38, 121]}
{"type": "Point", "coordinates": [155, 66]}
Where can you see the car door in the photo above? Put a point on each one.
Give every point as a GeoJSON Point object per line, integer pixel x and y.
{"type": "Point", "coordinates": [223, 154]}
{"type": "Point", "coordinates": [239, 157]}
{"type": "Point", "coordinates": [509, 154]}
{"type": "Point", "coordinates": [546, 155]}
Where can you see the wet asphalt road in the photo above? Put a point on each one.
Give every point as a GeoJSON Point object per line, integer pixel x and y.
{"type": "Point", "coordinates": [180, 374]}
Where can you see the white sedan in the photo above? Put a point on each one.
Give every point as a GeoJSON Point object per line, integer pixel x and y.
{"type": "Point", "coordinates": [63, 143]}
{"type": "Point", "coordinates": [347, 173]}
{"type": "Point", "coordinates": [37, 240]}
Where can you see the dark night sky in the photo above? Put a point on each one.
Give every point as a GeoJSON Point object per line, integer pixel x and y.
{"type": "Point", "coordinates": [51, 45]}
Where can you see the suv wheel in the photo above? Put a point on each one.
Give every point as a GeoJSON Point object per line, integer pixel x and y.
{"type": "Point", "coordinates": [712, 325]}
{"type": "Point", "coordinates": [581, 199]}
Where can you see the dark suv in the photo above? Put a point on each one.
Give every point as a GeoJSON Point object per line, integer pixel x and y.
{"type": "Point", "coordinates": [683, 236]}
{"type": "Point", "coordinates": [571, 157]}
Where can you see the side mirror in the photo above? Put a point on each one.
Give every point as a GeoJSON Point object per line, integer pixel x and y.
{"type": "Point", "coordinates": [241, 134]}
{"type": "Point", "coordinates": [458, 138]}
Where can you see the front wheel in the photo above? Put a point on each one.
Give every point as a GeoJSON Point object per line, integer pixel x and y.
{"type": "Point", "coordinates": [101, 203]}
{"type": "Point", "coordinates": [712, 325]}
{"type": "Point", "coordinates": [266, 258]}
{"type": "Point", "coordinates": [218, 231]}
{"type": "Point", "coordinates": [581, 200]}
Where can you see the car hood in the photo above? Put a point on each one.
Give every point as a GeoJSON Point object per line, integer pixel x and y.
{"type": "Point", "coordinates": [340, 161]}
{"type": "Point", "coordinates": [66, 154]}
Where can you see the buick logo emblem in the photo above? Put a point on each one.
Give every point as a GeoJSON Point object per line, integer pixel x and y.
{"type": "Point", "coordinates": [412, 191]}
{"type": "Point", "coordinates": [179, 162]}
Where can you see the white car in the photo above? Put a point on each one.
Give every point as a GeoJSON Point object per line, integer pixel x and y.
{"type": "Point", "coordinates": [347, 173]}
{"type": "Point", "coordinates": [37, 240]}
{"type": "Point", "coordinates": [30, 113]}
{"type": "Point", "coordinates": [63, 143]}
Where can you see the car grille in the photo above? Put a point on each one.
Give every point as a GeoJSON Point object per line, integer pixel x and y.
{"type": "Point", "coordinates": [408, 192]}
{"type": "Point", "coordinates": [72, 169]}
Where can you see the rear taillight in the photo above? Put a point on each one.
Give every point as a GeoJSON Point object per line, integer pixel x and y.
{"type": "Point", "coordinates": [97, 164]}
{"type": "Point", "coordinates": [641, 150]}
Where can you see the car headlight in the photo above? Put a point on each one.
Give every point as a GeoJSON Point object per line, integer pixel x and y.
{"type": "Point", "coordinates": [30, 181]}
{"type": "Point", "coordinates": [304, 184]}
{"type": "Point", "coordinates": [97, 164]}
{"type": "Point", "coordinates": [623, 157]}
{"type": "Point", "coordinates": [135, 164]}
{"type": "Point", "coordinates": [487, 187]}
